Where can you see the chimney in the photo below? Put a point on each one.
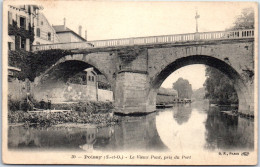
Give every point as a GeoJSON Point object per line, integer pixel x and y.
{"type": "Point", "coordinates": [80, 28]}
{"type": "Point", "coordinates": [86, 35]}
{"type": "Point", "coordinates": [64, 20]}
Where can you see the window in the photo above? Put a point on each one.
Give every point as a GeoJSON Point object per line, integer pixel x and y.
{"type": "Point", "coordinates": [38, 32]}
{"type": "Point", "coordinates": [89, 78]}
{"type": "Point", "coordinates": [49, 36]}
{"type": "Point", "coordinates": [22, 22]}
{"type": "Point", "coordinates": [23, 43]}
{"type": "Point", "coordinates": [83, 78]}
{"type": "Point", "coordinates": [10, 17]}
{"type": "Point", "coordinates": [41, 22]}
{"type": "Point", "coordinates": [92, 78]}
{"type": "Point", "coordinates": [37, 20]}
{"type": "Point", "coordinates": [9, 45]}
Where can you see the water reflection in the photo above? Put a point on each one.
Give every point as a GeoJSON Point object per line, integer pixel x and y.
{"type": "Point", "coordinates": [182, 128]}
{"type": "Point", "coordinates": [182, 113]}
{"type": "Point", "coordinates": [228, 132]}
{"type": "Point", "coordinates": [138, 133]}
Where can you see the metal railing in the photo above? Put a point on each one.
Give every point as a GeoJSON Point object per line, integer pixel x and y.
{"type": "Point", "coordinates": [202, 36]}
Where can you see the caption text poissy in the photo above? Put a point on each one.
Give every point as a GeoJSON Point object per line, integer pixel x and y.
{"type": "Point", "coordinates": [137, 157]}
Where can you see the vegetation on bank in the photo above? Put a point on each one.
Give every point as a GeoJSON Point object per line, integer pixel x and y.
{"type": "Point", "coordinates": [91, 112]}
{"type": "Point", "coordinates": [47, 119]}
{"type": "Point", "coordinates": [219, 89]}
{"type": "Point", "coordinates": [88, 106]}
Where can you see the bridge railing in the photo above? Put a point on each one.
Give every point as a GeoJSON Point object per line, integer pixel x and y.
{"type": "Point", "coordinates": [202, 36]}
{"type": "Point", "coordinates": [217, 35]}
{"type": "Point", "coordinates": [65, 46]}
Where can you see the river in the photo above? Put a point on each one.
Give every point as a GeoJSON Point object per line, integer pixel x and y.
{"type": "Point", "coordinates": [184, 127]}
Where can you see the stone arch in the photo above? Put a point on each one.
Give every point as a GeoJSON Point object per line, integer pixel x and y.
{"type": "Point", "coordinates": [79, 62]}
{"type": "Point", "coordinates": [240, 86]}
{"type": "Point", "coordinates": [68, 66]}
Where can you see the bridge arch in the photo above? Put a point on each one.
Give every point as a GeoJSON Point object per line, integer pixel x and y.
{"type": "Point", "coordinates": [224, 67]}
{"type": "Point", "coordinates": [66, 67]}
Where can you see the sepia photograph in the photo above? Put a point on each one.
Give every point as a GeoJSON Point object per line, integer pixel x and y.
{"type": "Point", "coordinates": [129, 83]}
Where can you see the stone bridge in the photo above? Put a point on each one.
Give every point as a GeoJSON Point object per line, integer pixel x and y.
{"type": "Point", "coordinates": [136, 67]}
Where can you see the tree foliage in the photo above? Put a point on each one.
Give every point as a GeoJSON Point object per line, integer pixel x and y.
{"type": "Point", "coordinates": [246, 20]}
{"type": "Point", "coordinates": [219, 88]}
{"type": "Point", "coordinates": [183, 87]}
{"type": "Point", "coordinates": [33, 64]}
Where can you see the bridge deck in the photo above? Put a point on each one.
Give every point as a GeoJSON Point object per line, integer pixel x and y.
{"type": "Point", "coordinates": [203, 36]}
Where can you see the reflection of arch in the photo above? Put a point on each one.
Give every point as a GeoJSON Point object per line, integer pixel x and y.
{"type": "Point", "coordinates": [227, 69]}
{"type": "Point", "coordinates": [182, 114]}
{"type": "Point", "coordinates": [138, 134]}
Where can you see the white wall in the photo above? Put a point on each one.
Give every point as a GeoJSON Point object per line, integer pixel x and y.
{"type": "Point", "coordinates": [105, 95]}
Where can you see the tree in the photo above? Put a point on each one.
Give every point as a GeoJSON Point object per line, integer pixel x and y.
{"type": "Point", "coordinates": [183, 87]}
{"type": "Point", "coordinates": [246, 20]}
{"type": "Point", "coordinates": [219, 89]}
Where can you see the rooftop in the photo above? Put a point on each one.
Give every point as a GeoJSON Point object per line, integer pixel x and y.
{"type": "Point", "coordinates": [63, 29]}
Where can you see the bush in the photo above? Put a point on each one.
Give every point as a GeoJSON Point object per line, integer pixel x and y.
{"type": "Point", "coordinates": [53, 118]}
{"type": "Point", "coordinates": [13, 105]}
{"type": "Point", "coordinates": [89, 107]}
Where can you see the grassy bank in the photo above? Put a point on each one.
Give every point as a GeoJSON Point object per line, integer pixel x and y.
{"type": "Point", "coordinates": [98, 113]}
{"type": "Point", "coordinates": [88, 106]}
{"type": "Point", "coordinates": [53, 118]}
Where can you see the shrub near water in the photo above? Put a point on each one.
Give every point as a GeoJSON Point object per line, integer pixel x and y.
{"type": "Point", "coordinates": [89, 107]}
{"type": "Point", "coordinates": [54, 118]}
{"type": "Point", "coordinates": [88, 112]}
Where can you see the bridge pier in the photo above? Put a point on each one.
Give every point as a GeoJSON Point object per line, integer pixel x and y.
{"type": "Point", "coordinates": [131, 93]}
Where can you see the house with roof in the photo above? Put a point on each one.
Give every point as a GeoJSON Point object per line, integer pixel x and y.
{"type": "Point", "coordinates": [44, 32]}
{"type": "Point", "coordinates": [67, 35]}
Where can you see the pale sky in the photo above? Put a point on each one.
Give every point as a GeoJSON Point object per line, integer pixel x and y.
{"type": "Point", "coordinates": [112, 20]}
{"type": "Point", "coordinates": [195, 74]}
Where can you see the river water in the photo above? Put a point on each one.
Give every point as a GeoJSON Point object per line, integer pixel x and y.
{"type": "Point", "coordinates": [181, 128]}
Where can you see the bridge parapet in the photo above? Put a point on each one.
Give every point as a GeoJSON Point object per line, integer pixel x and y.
{"type": "Point", "coordinates": [64, 46]}
{"type": "Point", "coordinates": [205, 36]}
{"type": "Point", "coordinates": [177, 38]}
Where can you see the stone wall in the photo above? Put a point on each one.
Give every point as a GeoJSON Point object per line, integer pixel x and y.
{"type": "Point", "coordinates": [17, 89]}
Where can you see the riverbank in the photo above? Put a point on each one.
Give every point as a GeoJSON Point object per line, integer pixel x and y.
{"type": "Point", "coordinates": [46, 119]}
{"type": "Point", "coordinates": [90, 112]}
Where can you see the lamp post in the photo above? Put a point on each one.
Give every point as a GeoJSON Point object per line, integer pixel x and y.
{"type": "Point", "coordinates": [196, 33]}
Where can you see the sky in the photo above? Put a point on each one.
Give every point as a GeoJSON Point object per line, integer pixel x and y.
{"type": "Point", "coordinates": [195, 74]}
{"type": "Point", "coordinates": [117, 19]}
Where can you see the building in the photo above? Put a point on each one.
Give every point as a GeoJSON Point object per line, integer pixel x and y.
{"type": "Point", "coordinates": [66, 35]}
{"type": "Point", "coordinates": [44, 32]}
{"type": "Point", "coordinates": [21, 26]}
{"type": "Point", "coordinates": [21, 21]}
{"type": "Point", "coordinates": [165, 96]}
